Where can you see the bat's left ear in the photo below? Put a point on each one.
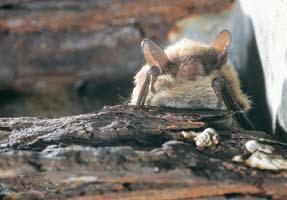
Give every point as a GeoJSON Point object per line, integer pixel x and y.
{"type": "Point", "coordinates": [221, 44]}
{"type": "Point", "coordinates": [154, 55]}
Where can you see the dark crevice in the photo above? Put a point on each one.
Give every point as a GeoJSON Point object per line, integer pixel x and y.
{"type": "Point", "coordinates": [87, 96]}
{"type": "Point", "coordinates": [8, 129]}
{"type": "Point", "coordinates": [127, 186]}
{"type": "Point", "coordinates": [10, 96]}
{"type": "Point", "coordinates": [36, 164]}
{"type": "Point", "coordinates": [12, 7]}
{"type": "Point", "coordinates": [253, 80]}
{"type": "Point", "coordinates": [243, 196]}
{"type": "Point", "coordinates": [110, 92]}
{"type": "Point", "coordinates": [280, 133]}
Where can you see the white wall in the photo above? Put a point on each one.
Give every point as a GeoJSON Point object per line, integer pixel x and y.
{"type": "Point", "coordinates": [269, 20]}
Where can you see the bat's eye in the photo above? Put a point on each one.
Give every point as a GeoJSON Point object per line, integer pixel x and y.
{"type": "Point", "coordinates": [210, 61]}
{"type": "Point", "coordinates": [189, 70]}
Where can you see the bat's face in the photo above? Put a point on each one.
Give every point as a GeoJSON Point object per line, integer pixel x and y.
{"type": "Point", "coordinates": [190, 74]}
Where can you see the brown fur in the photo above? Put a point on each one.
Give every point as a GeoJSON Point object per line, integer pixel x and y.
{"type": "Point", "coordinates": [174, 92]}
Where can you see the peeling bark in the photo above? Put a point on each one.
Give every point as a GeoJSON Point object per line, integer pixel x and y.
{"type": "Point", "coordinates": [125, 152]}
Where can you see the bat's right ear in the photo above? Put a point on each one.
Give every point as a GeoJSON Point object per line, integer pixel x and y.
{"type": "Point", "coordinates": [221, 44]}
{"type": "Point", "coordinates": [153, 54]}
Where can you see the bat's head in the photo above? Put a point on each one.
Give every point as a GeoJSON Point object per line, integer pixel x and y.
{"type": "Point", "coordinates": [187, 58]}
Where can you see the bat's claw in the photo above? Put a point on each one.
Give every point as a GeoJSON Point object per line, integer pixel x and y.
{"type": "Point", "coordinates": [153, 72]}
{"type": "Point", "coordinates": [152, 89]}
{"type": "Point", "coordinates": [223, 92]}
{"type": "Point", "coordinates": [219, 104]}
{"type": "Point", "coordinates": [148, 85]}
{"type": "Point", "coordinates": [217, 85]}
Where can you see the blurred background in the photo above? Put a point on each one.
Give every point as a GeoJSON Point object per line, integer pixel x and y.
{"type": "Point", "coordinates": [64, 57]}
{"type": "Point", "coordinates": [68, 57]}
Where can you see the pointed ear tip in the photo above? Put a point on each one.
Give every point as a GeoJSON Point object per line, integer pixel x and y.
{"type": "Point", "coordinates": [226, 30]}
{"type": "Point", "coordinates": [145, 41]}
{"type": "Point", "coordinates": [227, 33]}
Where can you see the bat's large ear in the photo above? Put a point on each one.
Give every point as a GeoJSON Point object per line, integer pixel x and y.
{"type": "Point", "coordinates": [221, 44]}
{"type": "Point", "coordinates": [153, 54]}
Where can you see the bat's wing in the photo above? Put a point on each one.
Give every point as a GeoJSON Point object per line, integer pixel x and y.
{"type": "Point", "coordinates": [223, 91]}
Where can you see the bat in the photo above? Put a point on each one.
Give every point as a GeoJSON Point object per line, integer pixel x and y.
{"type": "Point", "coordinates": [191, 74]}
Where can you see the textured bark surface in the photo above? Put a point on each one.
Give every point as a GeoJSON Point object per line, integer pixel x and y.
{"type": "Point", "coordinates": [125, 152]}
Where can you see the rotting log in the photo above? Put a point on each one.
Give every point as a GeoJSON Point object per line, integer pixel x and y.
{"type": "Point", "coordinates": [125, 152]}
